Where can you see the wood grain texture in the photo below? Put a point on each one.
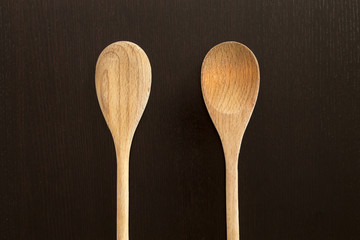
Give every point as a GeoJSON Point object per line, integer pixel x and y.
{"type": "Point", "coordinates": [230, 84]}
{"type": "Point", "coordinates": [299, 166]}
{"type": "Point", "coordinates": [123, 81]}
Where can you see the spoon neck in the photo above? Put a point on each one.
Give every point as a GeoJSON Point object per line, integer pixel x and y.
{"type": "Point", "coordinates": [122, 153]}
{"type": "Point", "coordinates": [231, 148]}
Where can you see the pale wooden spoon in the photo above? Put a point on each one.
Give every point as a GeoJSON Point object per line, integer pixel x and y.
{"type": "Point", "coordinates": [123, 81]}
{"type": "Point", "coordinates": [230, 79]}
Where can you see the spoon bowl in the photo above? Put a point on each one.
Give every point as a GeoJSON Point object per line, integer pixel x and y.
{"type": "Point", "coordinates": [230, 79]}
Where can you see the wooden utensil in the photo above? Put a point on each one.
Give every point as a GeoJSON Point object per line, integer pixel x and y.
{"type": "Point", "coordinates": [123, 81]}
{"type": "Point", "coordinates": [230, 79]}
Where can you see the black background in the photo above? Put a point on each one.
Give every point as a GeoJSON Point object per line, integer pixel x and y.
{"type": "Point", "coordinates": [299, 162]}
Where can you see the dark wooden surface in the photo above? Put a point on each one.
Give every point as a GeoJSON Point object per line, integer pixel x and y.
{"type": "Point", "coordinates": [300, 158]}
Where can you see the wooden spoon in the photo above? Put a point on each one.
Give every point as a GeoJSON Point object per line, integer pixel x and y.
{"type": "Point", "coordinates": [123, 80]}
{"type": "Point", "coordinates": [230, 80]}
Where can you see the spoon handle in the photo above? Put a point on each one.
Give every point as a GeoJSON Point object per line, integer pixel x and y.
{"type": "Point", "coordinates": [232, 211]}
{"type": "Point", "coordinates": [122, 198]}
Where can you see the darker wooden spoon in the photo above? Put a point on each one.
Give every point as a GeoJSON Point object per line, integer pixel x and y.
{"type": "Point", "coordinates": [230, 81]}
